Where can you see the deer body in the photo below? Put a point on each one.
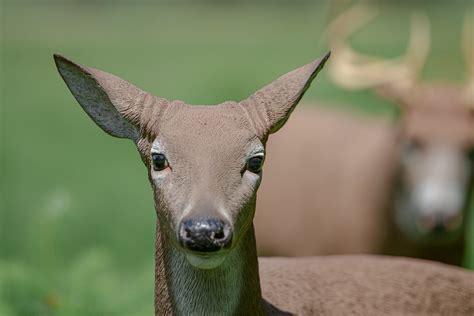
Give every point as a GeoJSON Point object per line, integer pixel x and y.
{"type": "Point", "coordinates": [333, 197]}
{"type": "Point", "coordinates": [365, 285]}
{"type": "Point", "coordinates": [204, 165]}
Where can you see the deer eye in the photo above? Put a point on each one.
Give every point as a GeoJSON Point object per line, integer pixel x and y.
{"type": "Point", "coordinates": [159, 161]}
{"type": "Point", "coordinates": [254, 164]}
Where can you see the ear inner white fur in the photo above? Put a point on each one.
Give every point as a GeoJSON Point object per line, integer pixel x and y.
{"type": "Point", "coordinates": [104, 97]}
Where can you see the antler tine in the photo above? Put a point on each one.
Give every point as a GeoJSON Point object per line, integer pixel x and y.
{"type": "Point", "coordinates": [349, 21]}
{"type": "Point", "coordinates": [468, 49]}
{"type": "Point", "coordinates": [357, 71]}
{"type": "Point", "coordinates": [344, 70]}
{"type": "Point", "coordinates": [419, 44]}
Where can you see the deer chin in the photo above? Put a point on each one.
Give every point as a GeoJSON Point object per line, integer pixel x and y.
{"type": "Point", "coordinates": [205, 262]}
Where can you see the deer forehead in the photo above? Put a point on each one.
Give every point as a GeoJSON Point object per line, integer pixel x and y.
{"type": "Point", "coordinates": [438, 95]}
{"type": "Point", "coordinates": [452, 125]}
{"type": "Point", "coordinates": [200, 130]}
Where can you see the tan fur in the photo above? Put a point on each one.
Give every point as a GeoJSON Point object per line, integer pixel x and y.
{"type": "Point", "coordinates": [366, 285]}
{"type": "Point", "coordinates": [206, 149]}
{"type": "Point", "coordinates": [325, 193]}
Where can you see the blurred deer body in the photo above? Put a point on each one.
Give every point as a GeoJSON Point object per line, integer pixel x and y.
{"type": "Point", "coordinates": [410, 195]}
{"type": "Point", "coordinates": [324, 193]}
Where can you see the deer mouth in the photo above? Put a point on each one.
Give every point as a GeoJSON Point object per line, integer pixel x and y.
{"type": "Point", "coordinates": [205, 261]}
{"type": "Point", "coordinates": [205, 258]}
{"type": "Point", "coordinates": [424, 227]}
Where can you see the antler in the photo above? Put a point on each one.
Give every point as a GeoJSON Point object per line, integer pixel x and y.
{"type": "Point", "coordinates": [468, 49]}
{"type": "Point", "coordinates": [357, 71]}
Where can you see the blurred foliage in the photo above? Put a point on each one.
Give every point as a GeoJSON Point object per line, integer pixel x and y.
{"type": "Point", "coordinates": [90, 286]}
{"type": "Point", "coordinates": [76, 213]}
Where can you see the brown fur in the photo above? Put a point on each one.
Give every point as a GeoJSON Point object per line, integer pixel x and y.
{"type": "Point", "coordinates": [205, 147]}
{"type": "Point", "coordinates": [325, 193]}
{"type": "Point", "coordinates": [366, 285]}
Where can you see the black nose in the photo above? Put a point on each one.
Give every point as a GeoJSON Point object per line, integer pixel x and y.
{"type": "Point", "coordinates": [440, 223]}
{"type": "Point", "coordinates": [205, 234]}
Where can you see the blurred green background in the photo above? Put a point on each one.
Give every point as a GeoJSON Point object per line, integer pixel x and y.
{"type": "Point", "coordinates": [76, 211]}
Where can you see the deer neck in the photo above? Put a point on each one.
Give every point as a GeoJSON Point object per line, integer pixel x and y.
{"type": "Point", "coordinates": [233, 288]}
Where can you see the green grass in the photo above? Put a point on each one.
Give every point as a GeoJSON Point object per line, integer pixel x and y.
{"type": "Point", "coordinates": [76, 209]}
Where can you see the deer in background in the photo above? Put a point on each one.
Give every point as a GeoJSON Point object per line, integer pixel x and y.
{"type": "Point", "coordinates": [349, 170]}
{"type": "Point", "coordinates": [433, 183]}
{"type": "Point", "coordinates": [204, 165]}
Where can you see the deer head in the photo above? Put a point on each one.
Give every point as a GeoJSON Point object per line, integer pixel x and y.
{"type": "Point", "coordinates": [204, 162]}
{"type": "Point", "coordinates": [436, 126]}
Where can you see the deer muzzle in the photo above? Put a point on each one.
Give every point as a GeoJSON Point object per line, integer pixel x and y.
{"type": "Point", "coordinates": [205, 235]}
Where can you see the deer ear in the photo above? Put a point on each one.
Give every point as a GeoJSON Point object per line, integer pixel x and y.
{"type": "Point", "coordinates": [112, 103]}
{"type": "Point", "coordinates": [271, 106]}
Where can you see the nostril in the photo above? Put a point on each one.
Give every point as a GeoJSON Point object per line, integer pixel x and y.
{"type": "Point", "coordinates": [185, 231]}
{"type": "Point", "coordinates": [187, 234]}
{"type": "Point", "coordinates": [426, 223]}
{"type": "Point", "coordinates": [439, 222]}
{"type": "Point", "coordinates": [219, 235]}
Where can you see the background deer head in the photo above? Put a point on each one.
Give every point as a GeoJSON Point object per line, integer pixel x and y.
{"type": "Point", "coordinates": [436, 125]}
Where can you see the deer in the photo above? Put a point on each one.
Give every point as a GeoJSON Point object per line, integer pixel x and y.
{"type": "Point", "coordinates": [398, 189]}
{"type": "Point", "coordinates": [204, 164]}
